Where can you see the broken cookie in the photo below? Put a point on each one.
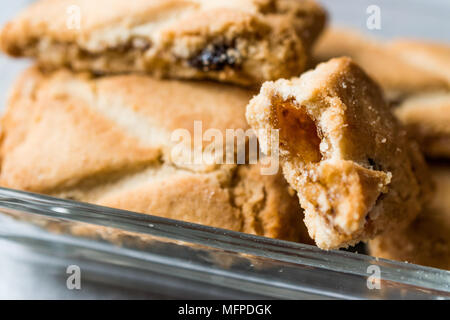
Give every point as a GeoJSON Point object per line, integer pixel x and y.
{"type": "Point", "coordinates": [350, 161]}
{"type": "Point", "coordinates": [244, 42]}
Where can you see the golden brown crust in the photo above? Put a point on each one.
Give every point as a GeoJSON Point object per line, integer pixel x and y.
{"type": "Point", "coordinates": [427, 118]}
{"type": "Point", "coordinates": [342, 150]}
{"type": "Point", "coordinates": [427, 240]}
{"type": "Point", "coordinates": [396, 75]}
{"type": "Point", "coordinates": [244, 42]}
{"type": "Point", "coordinates": [108, 141]}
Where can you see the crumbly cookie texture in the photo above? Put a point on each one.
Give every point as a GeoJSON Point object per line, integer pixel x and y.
{"type": "Point", "coordinates": [240, 41]}
{"type": "Point", "coordinates": [108, 141]}
{"type": "Point", "coordinates": [351, 163]}
{"type": "Point", "coordinates": [427, 240]}
{"type": "Point", "coordinates": [397, 76]}
{"type": "Point", "coordinates": [427, 118]}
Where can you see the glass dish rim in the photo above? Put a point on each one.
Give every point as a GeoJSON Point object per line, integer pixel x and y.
{"type": "Point", "coordinates": [339, 261]}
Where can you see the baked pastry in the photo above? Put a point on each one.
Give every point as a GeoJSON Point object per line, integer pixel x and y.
{"type": "Point", "coordinates": [108, 141]}
{"type": "Point", "coordinates": [239, 41]}
{"type": "Point", "coordinates": [427, 240]}
{"type": "Point", "coordinates": [427, 118]}
{"type": "Point", "coordinates": [350, 161]}
{"type": "Point", "coordinates": [434, 57]}
{"type": "Point", "coordinates": [396, 75]}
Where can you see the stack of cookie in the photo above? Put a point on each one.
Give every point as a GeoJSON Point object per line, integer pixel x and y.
{"type": "Point", "coordinates": [95, 119]}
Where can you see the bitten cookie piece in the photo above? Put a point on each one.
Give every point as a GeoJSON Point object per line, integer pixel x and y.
{"type": "Point", "coordinates": [343, 151]}
{"type": "Point", "coordinates": [240, 41]}
{"type": "Point", "coordinates": [427, 240]}
{"type": "Point", "coordinates": [109, 141]}
{"type": "Point", "coordinates": [427, 118]}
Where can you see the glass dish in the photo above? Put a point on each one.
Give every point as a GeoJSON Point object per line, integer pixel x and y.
{"type": "Point", "coordinates": [167, 258]}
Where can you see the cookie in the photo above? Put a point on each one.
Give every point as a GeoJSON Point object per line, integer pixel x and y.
{"type": "Point", "coordinates": [396, 75]}
{"type": "Point", "coordinates": [243, 42]}
{"type": "Point", "coordinates": [427, 240]}
{"type": "Point", "coordinates": [434, 57]}
{"type": "Point", "coordinates": [108, 141]}
{"type": "Point", "coordinates": [341, 148]}
{"type": "Point", "coordinates": [427, 118]}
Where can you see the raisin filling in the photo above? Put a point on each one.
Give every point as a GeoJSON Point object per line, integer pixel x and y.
{"type": "Point", "coordinates": [216, 57]}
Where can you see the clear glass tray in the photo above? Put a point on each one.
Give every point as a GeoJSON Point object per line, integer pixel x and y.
{"type": "Point", "coordinates": [167, 258]}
